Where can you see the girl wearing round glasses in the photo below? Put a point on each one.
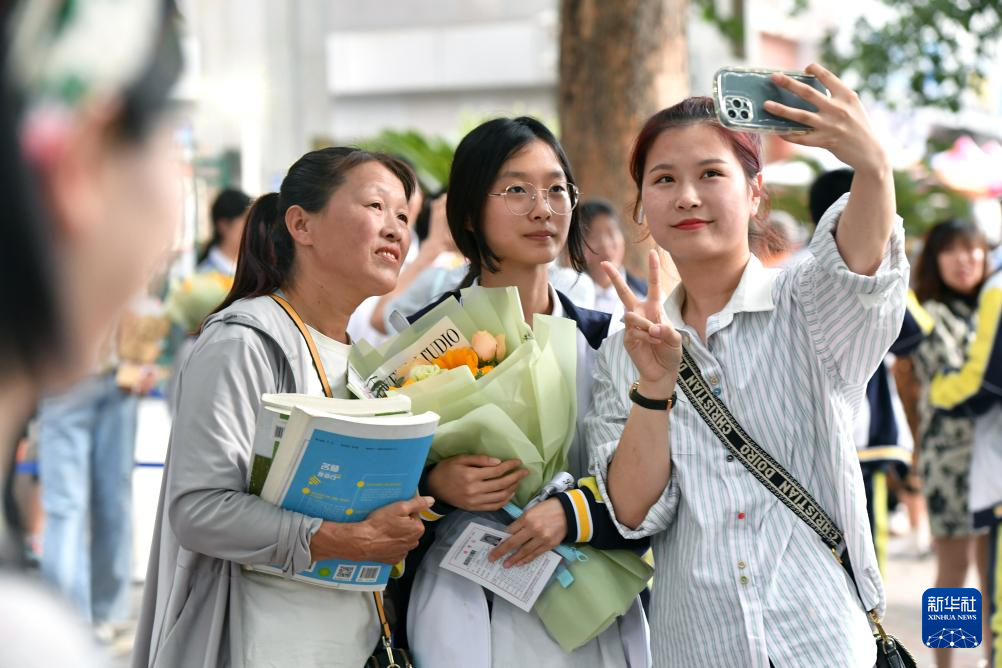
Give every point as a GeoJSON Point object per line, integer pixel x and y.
{"type": "Point", "coordinates": [511, 209]}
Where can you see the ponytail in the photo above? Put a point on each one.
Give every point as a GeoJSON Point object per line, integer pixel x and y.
{"type": "Point", "coordinates": [267, 251]}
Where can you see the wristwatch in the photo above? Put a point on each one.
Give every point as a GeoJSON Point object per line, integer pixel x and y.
{"type": "Point", "coordinates": [650, 404]}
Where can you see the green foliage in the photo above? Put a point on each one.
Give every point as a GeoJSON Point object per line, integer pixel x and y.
{"type": "Point", "coordinates": [922, 202]}
{"type": "Point", "coordinates": [732, 25]}
{"type": "Point", "coordinates": [430, 156]}
{"type": "Point", "coordinates": [791, 199]}
{"type": "Point", "coordinates": [941, 48]}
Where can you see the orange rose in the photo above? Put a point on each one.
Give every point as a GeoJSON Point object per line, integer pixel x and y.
{"type": "Point", "coordinates": [457, 357]}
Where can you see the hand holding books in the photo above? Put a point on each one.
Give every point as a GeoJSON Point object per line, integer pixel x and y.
{"type": "Point", "coordinates": [386, 535]}
{"type": "Point", "coordinates": [354, 464]}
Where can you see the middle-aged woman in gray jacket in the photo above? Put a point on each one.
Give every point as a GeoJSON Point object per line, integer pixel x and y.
{"type": "Point", "coordinates": [335, 234]}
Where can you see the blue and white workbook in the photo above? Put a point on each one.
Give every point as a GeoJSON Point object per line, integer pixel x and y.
{"type": "Point", "coordinates": [341, 468]}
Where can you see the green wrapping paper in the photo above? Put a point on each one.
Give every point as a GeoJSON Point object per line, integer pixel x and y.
{"type": "Point", "coordinates": [526, 409]}
{"type": "Point", "coordinates": [604, 588]}
{"type": "Point", "coordinates": [192, 300]}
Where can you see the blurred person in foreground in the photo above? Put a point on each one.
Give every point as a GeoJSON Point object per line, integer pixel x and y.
{"type": "Point", "coordinates": [92, 195]}
{"type": "Point", "coordinates": [949, 274]}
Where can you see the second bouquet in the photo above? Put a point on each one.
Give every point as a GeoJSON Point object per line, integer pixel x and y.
{"type": "Point", "coordinates": [501, 388]}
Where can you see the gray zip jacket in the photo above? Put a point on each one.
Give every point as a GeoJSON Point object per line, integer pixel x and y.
{"type": "Point", "coordinates": [207, 525]}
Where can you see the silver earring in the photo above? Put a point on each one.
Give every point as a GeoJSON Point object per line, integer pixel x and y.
{"type": "Point", "coordinates": [639, 220]}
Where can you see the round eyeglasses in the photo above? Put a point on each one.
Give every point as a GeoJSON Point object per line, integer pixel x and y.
{"type": "Point", "coordinates": [520, 198]}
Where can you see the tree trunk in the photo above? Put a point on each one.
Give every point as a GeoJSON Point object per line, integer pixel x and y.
{"type": "Point", "coordinates": [620, 62]}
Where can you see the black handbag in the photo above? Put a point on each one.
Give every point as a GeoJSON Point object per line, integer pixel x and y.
{"type": "Point", "coordinates": [890, 652]}
{"type": "Point", "coordinates": [386, 655]}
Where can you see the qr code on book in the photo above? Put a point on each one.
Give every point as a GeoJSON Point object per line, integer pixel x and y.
{"type": "Point", "coordinates": [344, 572]}
{"type": "Point", "coordinates": [369, 574]}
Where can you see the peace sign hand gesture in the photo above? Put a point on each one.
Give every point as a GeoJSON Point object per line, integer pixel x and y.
{"type": "Point", "coordinates": [651, 342]}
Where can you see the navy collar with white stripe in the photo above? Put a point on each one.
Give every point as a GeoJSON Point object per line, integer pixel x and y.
{"type": "Point", "coordinates": [594, 325]}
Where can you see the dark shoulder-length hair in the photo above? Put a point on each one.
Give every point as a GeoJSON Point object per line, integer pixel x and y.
{"type": "Point", "coordinates": [475, 167]}
{"type": "Point", "coordinates": [267, 251]}
{"type": "Point", "coordinates": [929, 283]}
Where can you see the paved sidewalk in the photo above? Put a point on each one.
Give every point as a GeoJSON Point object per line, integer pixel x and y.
{"type": "Point", "coordinates": [905, 580]}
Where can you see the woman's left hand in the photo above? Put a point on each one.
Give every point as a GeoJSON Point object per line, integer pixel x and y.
{"type": "Point", "coordinates": [541, 528]}
{"type": "Point", "coordinates": [840, 124]}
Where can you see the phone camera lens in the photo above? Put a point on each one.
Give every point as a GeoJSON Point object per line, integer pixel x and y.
{"type": "Point", "coordinates": [731, 113]}
{"type": "Point", "coordinates": [739, 103]}
{"type": "Point", "coordinates": [744, 115]}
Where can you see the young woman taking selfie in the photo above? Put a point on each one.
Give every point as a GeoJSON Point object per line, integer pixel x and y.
{"type": "Point", "coordinates": [741, 580]}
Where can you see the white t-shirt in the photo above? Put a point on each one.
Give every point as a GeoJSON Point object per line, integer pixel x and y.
{"type": "Point", "coordinates": [288, 623]}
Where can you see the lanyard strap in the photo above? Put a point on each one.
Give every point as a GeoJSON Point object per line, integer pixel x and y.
{"type": "Point", "coordinates": [314, 353]}
{"type": "Point", "coordinates": [762, 465]}
{"type": "Point", "coordinates": [319, 366]}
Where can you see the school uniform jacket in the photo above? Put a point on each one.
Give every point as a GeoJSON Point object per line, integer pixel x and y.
{"type": "Point", "coordinates": [976, 389]}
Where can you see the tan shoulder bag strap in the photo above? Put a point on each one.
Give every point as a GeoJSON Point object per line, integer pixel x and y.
{"type": "Point", "coordinates": [319, 366]}
{"type": "Point", "coordinates": [314, 353]}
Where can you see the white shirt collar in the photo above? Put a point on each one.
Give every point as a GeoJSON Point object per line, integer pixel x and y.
{"type": "Point", "coordinates": [220, 262]}
{"type": "Point", "coordinates": [754, 293]}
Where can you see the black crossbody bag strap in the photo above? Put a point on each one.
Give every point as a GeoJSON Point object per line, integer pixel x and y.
{"type": "Point", "coordinates": [763, 466]}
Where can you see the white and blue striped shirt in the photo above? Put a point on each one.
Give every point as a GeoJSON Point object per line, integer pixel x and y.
{"type": "Point", "coordinates": [739, 578]}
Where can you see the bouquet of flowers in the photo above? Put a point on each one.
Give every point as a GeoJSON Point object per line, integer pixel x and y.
{"type": "Point", "coordinates": [501, 388]}
{"type": "Point", "coordinates": [508, 391]}
{"type": "Point", "coordinates": [484, 353]}
{"type": "Point", "coordinates": [194, 298]}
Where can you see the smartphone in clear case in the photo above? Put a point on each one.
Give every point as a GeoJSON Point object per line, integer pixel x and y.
{"type": "Point", "coordinates": [739, 95]}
